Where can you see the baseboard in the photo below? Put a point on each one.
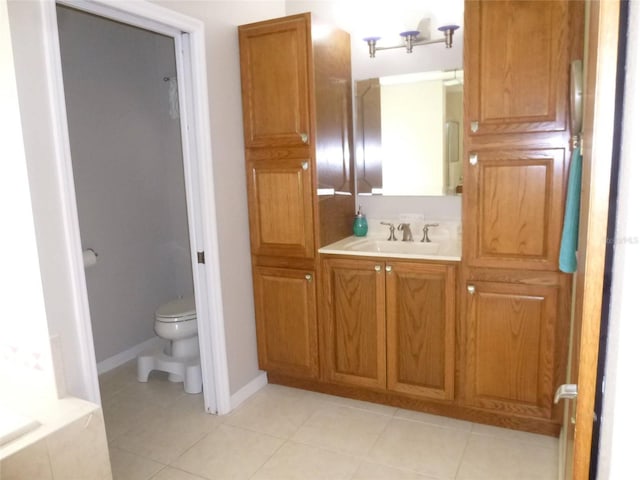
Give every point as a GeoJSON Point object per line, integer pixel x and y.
{"type": "Point", "coordinates": [248, 390]}
{"type": "Point", "coordinates": [123, 357]}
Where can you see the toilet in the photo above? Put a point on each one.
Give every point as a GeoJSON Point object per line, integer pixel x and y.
{"type": "Point", "coordinates": [176, 322]}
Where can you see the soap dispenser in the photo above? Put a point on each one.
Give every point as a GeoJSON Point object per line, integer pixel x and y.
{"type": "Point", "coordinates": [360, 226]}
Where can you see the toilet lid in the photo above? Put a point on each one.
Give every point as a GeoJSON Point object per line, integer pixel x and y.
{"type": "Point", "coordinates": [177, 310]}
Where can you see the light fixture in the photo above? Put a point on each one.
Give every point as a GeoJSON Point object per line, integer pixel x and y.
{"type": "Point", "coordinates": [411, 39]}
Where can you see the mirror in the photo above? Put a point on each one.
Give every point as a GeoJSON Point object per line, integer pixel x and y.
{"type": "Point", "coordinates": [407, 134]}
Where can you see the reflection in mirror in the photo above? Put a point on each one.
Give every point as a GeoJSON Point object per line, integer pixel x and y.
{"type": "Point", "coordinates": [407, 134]}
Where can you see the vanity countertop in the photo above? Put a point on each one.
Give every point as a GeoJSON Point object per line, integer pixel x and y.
{"type": "Point", "coordinates": [449, 250]}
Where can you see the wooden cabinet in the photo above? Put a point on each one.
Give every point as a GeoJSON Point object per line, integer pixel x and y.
{"type": "Point", "coordinates": [517, 149]}
{"type": "Point", "coordinates": [514, 346]}
{"type": "Point", "coordinates": [514, 202]}
{"type": "Point", "coordinates": [296, 99]}
{"type": "Point", "coordinates": [354, 328]}
{"type": "Point", "coordinates": [516, 66]}
{"type": "Point", "coordinates": [286, 321]}
{"type": "Point", "coordinates": [280, 207]}
{"type": "Point", "coordinates": [275, 82]}
{"type": "Point", "coordinates": [390, 325]}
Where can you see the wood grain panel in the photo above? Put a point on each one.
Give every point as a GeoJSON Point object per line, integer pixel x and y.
{"type": "Point", "coordinates": [280, 207]}
{"type": "Point", "coordinates": [514, 202]}
{"type": "Point", "coordinates": [355, 324]}
{"type": "Point", "coordinates": [511, 336]}
{"type": "Point", "coordinates": [333, 134]}
{"type": "Point", "coordinates": [421, 329]}
{"type": "Point", "coordinates": [368, 135]}
{"type": "Point", "coordinates": [286, 324]}
{"type": "Point", "coordinates": [516, 57]}
{"type": "Point", "coordinates": [275, 81]}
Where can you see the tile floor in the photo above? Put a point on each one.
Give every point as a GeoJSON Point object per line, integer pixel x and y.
{"type": "Point", "coordinates": [157, 432]}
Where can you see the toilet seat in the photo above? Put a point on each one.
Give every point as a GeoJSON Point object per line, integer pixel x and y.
{"type": "Point", "coordinates": [177, 311]}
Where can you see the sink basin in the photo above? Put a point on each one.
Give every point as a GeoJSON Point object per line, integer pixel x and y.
{"type": "Point", "coordinates": [377, 247]}
{"type": "Point", "coordinates": [383, 246]}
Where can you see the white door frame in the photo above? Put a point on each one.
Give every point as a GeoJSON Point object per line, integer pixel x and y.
{"type": "Point", "coordinates": [192, 83]}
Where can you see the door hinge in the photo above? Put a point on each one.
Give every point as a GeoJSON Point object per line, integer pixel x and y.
{"type": "Point", "coordinates": [200, 257]}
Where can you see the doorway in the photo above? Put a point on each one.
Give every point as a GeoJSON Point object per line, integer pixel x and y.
{"type": "Point", "coordinates": [189, 86]}
{"type": "Point", "coordinates": [124, 126]}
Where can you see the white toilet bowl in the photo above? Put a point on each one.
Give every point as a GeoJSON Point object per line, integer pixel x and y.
{"type": "Point", "coordinates": [176, 322]}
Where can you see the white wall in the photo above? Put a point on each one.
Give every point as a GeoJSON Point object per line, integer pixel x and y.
{"type": "Point", "coordinates": [30, 37]}
{"type": "Point", "coordinates": [621, 423]}
{"type": "Point", "coordinates": [128, 173]}
{"type": "Point", "coordinates": [25, 356]}
{"type": "Point", "coordinates": [412, 136]}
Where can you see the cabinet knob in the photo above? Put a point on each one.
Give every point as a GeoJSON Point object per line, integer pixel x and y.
{"type": "Point", "coordinates": [471, 289]}
{"type": "Point", "coordinates": [305, 165]}
{"type": "Point", "coordinates": [388, 268]}
{"type": "Point", "coordinates": [474, 126]}
{"type": "Point", "coordinates": [377, 268]}
{"type": "Point", "coordinates": [304, 137]}
{"type": "Point", "coordinates": [473, 158]}
{"type": "Point", "coordinates": [308, 277]}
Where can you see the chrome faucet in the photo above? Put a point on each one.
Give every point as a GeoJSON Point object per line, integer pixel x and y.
{"type": "Point", "coordinates": [392, 230]}
{"type": "Point", "coordinates": [407, 236]}
{"type": "Point", "coordinates": [425, 230]}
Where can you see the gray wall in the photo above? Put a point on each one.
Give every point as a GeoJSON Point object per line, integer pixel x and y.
{"type": "Point", "coordinates": [128, 173]}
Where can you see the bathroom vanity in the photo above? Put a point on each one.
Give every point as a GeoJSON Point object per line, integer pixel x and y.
{"type": "Point", "coordinates": [474, 326]}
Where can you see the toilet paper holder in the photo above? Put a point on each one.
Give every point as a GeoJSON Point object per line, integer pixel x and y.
{"type": "Point", "coordinates": [89, 257]}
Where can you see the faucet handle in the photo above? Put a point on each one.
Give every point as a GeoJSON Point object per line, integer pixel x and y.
{"type": "Point", "coordinates": [425, 230]}
{"type": "Point", "coordinates": [392, 229]}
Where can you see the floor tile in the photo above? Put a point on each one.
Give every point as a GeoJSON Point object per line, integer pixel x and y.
{"type": "Point", "coordinates": [343, 429]}
{"type": "Point", "coordinates": [426, 449]}
{"type": "Point", "coordinates": [128, 466]}
{"type": "Point", "coordinates": [169, 473]}
{"type": "Point", "coordinates": [353, 403]}
{"type": "Point", "coordinates": [228, 453]}
{"type": "Point", "coordinates": [494, 458]}
{"type": "Point", "coordinates": [294, 461]}
{"type": "Point", "coordinates": [437, 420]}
{"type": "Point", "coordinates": [169, 434]}
{"type": "Point", "coordinates": [374, 471]}
{"type": "Point", "coordinates": [275, 411]}
{"type": "Point", "coordinates": [508, 434]}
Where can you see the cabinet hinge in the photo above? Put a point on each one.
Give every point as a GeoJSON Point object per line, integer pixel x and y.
{"type": "Point", "coordinates": [200, 257]}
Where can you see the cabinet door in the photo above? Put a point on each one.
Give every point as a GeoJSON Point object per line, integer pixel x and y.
{"type": "Point", "coordinates": [280, 207]}
{"type": "Point", "coordinates": [513, 208]}
{"type": "Point", "coordinates": [286, 325]}
{"type": "Point", "coordinates": [516, 65]}
{"type": "Point", "coordinates": [354, 324]}
{"type": "Point", "coordinates": [421, 329]}
{"type": "Point", "coordinates": [511, 346]}
{"type": "Point", "coordinates": [274, 60]}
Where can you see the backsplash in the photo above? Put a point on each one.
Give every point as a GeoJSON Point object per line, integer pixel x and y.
{"type": "Point", "coordinates": [433, 208]}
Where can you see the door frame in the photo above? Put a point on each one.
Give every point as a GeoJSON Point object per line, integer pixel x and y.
{"type": "Point", "coordinates": [189, 38]}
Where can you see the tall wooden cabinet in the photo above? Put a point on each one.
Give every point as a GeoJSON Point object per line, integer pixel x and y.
{"type": "Point", "coordinates": [517, 149]}
{"type": "Point", "coordinates": [296, 94]}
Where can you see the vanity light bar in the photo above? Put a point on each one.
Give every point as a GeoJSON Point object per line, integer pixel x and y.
{"type": "Point", "coordinates": [410, 38]}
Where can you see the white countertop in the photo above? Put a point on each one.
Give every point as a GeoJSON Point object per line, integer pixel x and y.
{"type": "Point", "coordinates": [450, 250]}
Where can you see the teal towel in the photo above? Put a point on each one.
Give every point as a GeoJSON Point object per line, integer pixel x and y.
{"type": "Point", "coordinates": [569, 243]}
